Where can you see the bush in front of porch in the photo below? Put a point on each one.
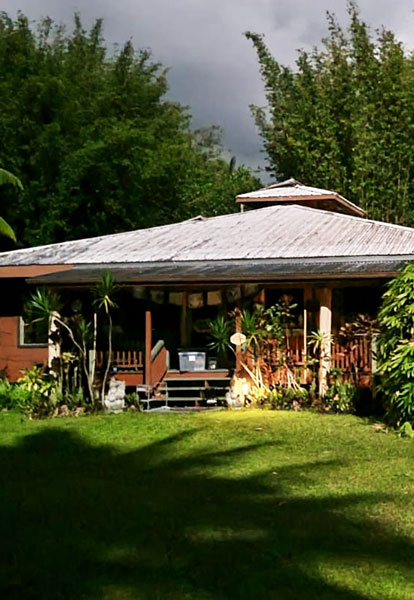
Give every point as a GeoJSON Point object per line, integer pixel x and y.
{"type": "Point", "coordinates": [396, 347]}
{"type": "Point", "coordinates": [266, 373]}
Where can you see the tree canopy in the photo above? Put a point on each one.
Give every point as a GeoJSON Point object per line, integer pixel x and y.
{"type": "Point", "coordinates": [96, 144]}
{"type": "Point", "coordinates": [343, 119]}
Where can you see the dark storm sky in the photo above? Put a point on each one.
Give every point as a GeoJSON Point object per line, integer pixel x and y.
{"type": "Point", "coordinates": [213, 67]}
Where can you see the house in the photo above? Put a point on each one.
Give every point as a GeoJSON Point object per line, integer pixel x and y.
{"type": "Point", "coordinates": [287, 238]}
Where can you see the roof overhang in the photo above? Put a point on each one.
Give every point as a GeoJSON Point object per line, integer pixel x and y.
{"type": "Point", "coordinates": [25, 271]}
{"type": "Point", "coordinates": [229, 271]}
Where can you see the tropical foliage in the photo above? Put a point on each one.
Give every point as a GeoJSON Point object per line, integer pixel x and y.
{"type": "Point", "coordinates": [343, 119]}
{"type": "Point", "coordinates": [396, 346]}
{"type": "Point", "coordinates": [94, 140]}
{"type": "Point", "coordinates": [74, 335]}
{"type": "Point", "coordinates": [7, 178]}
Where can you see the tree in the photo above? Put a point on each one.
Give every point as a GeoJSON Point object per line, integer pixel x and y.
{"type": "Point", "coordinates": [344, 118]}
{"type": "Point", "coordinates": [8, 178]}
{"type": "Point", "coordinates": [96, 143]}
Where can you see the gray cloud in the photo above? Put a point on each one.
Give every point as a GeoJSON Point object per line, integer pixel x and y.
{"type": "Point", "coordinates": [213, 67]}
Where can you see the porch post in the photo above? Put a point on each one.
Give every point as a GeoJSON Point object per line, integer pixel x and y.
{"type": "Point", "coordinates": [307, 297]}
{"type": "Point", "coordinates": [184, 320]}
{"type": "Point", "coordinates": [238, 323]}
{"type": "Point", "coordinates": [325, 324]}
{"type": "Point", "coordinates": [148, 346]}
{"type": "Point", "coordinates": [53, 346]}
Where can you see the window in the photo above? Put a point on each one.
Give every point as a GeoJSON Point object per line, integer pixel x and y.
{"type": "Point", "coordinates": [33, 333]}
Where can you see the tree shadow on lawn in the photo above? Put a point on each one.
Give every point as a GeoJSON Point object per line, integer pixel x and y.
{"type": "Point", "coordinates": [90, 522]}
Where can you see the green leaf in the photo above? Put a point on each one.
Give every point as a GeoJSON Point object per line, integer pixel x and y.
{"type": "Point", "coordinates": [6, 230]}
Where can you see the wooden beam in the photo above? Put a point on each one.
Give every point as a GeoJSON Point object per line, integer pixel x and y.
{"type": "Point", "coordinates": [148, 346]}
{"type": "Point", "coordinates": [325, 327]}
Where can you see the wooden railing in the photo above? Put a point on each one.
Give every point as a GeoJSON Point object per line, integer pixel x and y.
{"type": "Point", "coordinates": [354, 357]}
{"type": "Point", "coordinates": [124, 360]}
{"type": "Point", "coordinates": [158, 363]}
{"type": "Point", "coordinates": [295, 350]}
{"type": "Point", "coordinates": [130, 361]}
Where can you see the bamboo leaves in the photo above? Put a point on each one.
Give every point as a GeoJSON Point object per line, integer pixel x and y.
{"type": "Point", "coordinates": [344, 118]}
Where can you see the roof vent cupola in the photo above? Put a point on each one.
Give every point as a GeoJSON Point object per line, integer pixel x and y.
{"type": "Point", "coordinates": [292, 191]}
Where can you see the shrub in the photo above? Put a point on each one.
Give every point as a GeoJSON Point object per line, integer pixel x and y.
{"type": "Point", "coordinates": [15, 396]}
{"type": "Point", "coordinates": [340, 397]}
{"type": "Point", "coordinates": [76, 399]}
{"type": "Point", "coordinates": [395, 348]}
{"type": "Point", "coordinates": [133, 400]}
{"type": "Point", "coordinates": [37, 392]}
{"type": "Point", "coordinates": [279, 397]}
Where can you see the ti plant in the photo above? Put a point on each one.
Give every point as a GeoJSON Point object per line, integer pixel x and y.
{"type": "Point", "coordinates": [46, 304]}
{"type": "Point", "coordinates": [320, 344]}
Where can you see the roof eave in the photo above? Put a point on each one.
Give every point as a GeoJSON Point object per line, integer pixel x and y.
{"type": "Point", "coordinates": [231, 271]}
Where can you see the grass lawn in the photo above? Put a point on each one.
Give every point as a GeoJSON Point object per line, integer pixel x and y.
{"type": "Point", "coordinates": [243, 505]}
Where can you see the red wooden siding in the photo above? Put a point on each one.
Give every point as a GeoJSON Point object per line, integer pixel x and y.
{"type": "Point", "coordinates": [14, 358]}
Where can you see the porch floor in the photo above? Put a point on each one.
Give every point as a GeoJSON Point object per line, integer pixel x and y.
{"type": "Point", "coordinates": [197, 375]}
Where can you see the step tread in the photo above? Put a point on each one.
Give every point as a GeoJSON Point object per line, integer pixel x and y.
{"type": "Point", "coordinates": [181, 379]}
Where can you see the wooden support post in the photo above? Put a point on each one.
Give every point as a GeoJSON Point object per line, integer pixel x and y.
{"type": "Point", "coordinates": [238, 322]}
{"type": "Point", "coordinates": [261, 297]}
{"type": "Point", "coordinates": [184, 321]}
{"type": "Point", "coordinates": [148, 346]}
{"type": "Point", "coordinates": [307, 297]}
{"type": "Point", "coordinates": [325, 324]}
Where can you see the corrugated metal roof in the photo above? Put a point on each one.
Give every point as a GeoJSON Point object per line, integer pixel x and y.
{"type": "Point", "coordinates": [275, 232]}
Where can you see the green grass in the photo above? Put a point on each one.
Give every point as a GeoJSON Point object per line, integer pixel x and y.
{"type": "Point", "coordinates": [243, 505]}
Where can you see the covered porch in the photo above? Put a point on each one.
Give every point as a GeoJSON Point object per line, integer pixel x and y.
{"type": "Point", "coordinates": [157, 324]}
{"type": "Point", "coordinates": [308, 244]}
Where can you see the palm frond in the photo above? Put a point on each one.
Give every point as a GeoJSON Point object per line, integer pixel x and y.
{"type": "Point", "coordinates": [6, 230]}
{"type": "Point", "coordinates": [7, 178]}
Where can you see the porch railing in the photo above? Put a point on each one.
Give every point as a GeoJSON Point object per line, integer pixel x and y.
{"type": "Point", "coordinates": [125, 360]}
{"type": "Point", "coordinates": [158, 363]}
{"type": "Point", "coordinates": [355, 357]}
{"type": "Point", "coordinates": [132, 361]}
